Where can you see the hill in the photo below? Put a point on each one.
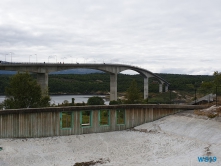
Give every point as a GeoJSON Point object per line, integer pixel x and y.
{"type": "Point", "coordinates": [100, 82]}
{"type": "Point", "coordinates": [72, 71]}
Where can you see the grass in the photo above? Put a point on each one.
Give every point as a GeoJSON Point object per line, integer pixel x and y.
{"type": "Point", "coordinates": [165, 97]}
{"type": "Point", "coordinates": [66, 119]}
{"type": "Point", "coordinates": [120, 116]}
{"type": "Point", "coordinates": [104, 117]}
{"type": "Point", "coordinates": [86, 118]}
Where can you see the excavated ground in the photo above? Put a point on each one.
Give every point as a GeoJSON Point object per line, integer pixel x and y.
{"type": "Point", "coordinates": [173, 140]}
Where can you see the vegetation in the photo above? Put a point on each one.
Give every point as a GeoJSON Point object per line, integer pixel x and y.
{"type": "Point", "coordinates": [24, 92]}
{"type": "Point", "coordinates": [86, 118]}
{"type": "Point", "coordinates": [185, 83]}
{"type": "Point", "coordinates": [66, 103]}
{"type": "Point", "coordinates": [95, 100]}
{"type": "Point", "coordinates": [99, 83]}
{"type": "Point", "coordinates": [4, 81]}
{"type": "Point", "coordinates": [114, 102]}
{"type": "Point", "coordinates": [166, 97]}
{"type": "Point", "coordinates": [120, 116]}
{"type": "Point", "coordinates": [66, 119]}
{"type": "Point", "coordinates": [213, 85]}
{"type": "Point", "coordinates": [133, 94]}
{"type": "Point", "coordinates": [104, 117]}
{"type": "Point", "coordinates": [181, 87]}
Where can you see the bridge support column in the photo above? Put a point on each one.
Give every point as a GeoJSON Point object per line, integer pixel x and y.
{"type": "Point", "coordinates": [160, 87]}
{"type": "Point", "coordinates": [146, 88]}
{"type": "Point", "coordinates": [42, 79]}
{"type": "Point", "coordinates": [166, 88]}
{"type": "Point", "coordinates": [113, 87]}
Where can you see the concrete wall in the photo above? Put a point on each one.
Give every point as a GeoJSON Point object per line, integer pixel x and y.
{"type": "Point", "coordinates": [44, 122]}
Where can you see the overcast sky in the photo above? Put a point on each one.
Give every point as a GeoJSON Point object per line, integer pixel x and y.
{"type": "Point", "coordinates": [163, 36]}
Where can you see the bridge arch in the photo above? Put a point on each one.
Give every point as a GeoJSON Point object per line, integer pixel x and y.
{"type": "Point", "coordinates": [146, 75]}
{"type": "Point", "coordinates": [42, 70]}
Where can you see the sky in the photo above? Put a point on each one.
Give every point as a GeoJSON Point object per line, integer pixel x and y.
{"type": "Point", "coordinates": [163, 36]}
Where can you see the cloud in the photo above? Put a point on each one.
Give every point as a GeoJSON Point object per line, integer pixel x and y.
{"type": "Point", "coordinates": [161, 36]}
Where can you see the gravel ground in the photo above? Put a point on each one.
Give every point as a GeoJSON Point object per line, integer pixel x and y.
{"type": "Point", "coordinates": [173, 140]}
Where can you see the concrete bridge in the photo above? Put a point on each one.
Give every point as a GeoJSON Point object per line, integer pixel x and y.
{"type": "Point", "coordinates": [43, 69]}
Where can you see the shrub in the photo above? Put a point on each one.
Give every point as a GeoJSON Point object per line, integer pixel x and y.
{"type": "Point", "coordinates": [114, 102]}
{"type": "Point", "coordinates": [95, 100]}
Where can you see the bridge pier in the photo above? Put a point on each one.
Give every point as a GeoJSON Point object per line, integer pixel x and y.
{"type": "Point", "coordinates": [42, 79]}
{"type": "Point", "coordinates": [160, 87]}
{"type": "Point", "coordinates": [166, 88]}
{"type": "Point", "coordinates": [42, 70]}
{"type": "Point", "coordinates": [146, 87]}
{"type": "Point", "coordinates": [113, 87]}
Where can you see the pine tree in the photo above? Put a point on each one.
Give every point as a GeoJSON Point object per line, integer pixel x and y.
{"type": "Point", "coordinates": [133, 94]}
{"type": "Point", "coordinates": [24, 92]}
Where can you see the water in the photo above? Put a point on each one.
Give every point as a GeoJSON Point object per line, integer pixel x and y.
{"type": "Point", "coordinates": [60, 98]}
{"type": "Point", "coordinates": [78, 98]}
{"type": "Point", "coordinates": [2, 98]}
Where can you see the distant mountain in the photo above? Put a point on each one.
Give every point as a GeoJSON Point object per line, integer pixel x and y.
{"type": "Point", "coordinates": [77, 71]}
{"type": "Point", "coordinates": [7, 72]}
{"type": "Point", "coordinates": [71, 71]}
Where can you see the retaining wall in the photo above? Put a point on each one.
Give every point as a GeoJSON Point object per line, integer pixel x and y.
{"type": "Point", "coordinates": [44, 122]}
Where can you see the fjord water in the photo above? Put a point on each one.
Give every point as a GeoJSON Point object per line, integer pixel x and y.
{"type": "Point", "coordinates": [58, 99]}
{"type": "Point", "coordinates": [78, 98]}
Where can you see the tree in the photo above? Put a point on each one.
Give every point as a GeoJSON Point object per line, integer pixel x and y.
{"type": "Point", "coordinates": [65, 103]}
{"type": "Point", "coordinates": [1, 105]}
{"type": "Point", "coordinates": [95, 100]}
{"type": "Point", "coordinates": [133, 94]}
{"type": "Point", "coordinates": [217, 80]}
{"type": "Point", "coordinates": [210, 86]}
{"type": "Point", "coordinates": [24, 92]}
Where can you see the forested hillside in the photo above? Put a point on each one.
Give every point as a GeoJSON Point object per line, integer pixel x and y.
{"type": "Point", "coordinates": [100, 83]}
{"type": "Point", "coordinates": [185, 82]}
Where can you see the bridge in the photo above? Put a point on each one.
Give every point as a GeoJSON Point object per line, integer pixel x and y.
{"type": "Point", "coordinates": [43, 69]}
